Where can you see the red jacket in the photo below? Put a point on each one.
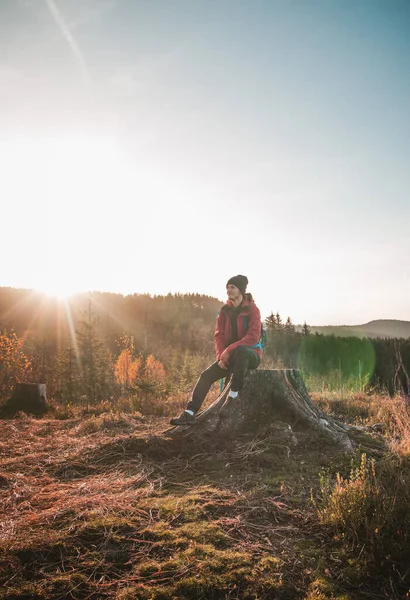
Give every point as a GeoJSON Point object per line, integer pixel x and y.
{"type": "Point", "coordinates": [249, 337]}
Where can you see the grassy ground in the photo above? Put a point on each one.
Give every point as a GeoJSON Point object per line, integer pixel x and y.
{"type": "Point", "coordinates": [99, 507]}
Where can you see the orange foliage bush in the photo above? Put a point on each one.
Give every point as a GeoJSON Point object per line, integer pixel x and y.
{"type": "Point", "coordinates": [15, 366]}
{"type": "Point", "coordinates": [154, 370]}
{"type": "Point", "coordinates": [127, 368]}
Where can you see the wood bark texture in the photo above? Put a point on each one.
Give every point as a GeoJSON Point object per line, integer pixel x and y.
{"type": "Point", "coordinates": [268, 397]}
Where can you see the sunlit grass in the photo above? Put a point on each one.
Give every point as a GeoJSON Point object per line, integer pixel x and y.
{"type": "Point", "coordinates": [387, 415]}
{"type": "Point", "coordinates": [96, 506]}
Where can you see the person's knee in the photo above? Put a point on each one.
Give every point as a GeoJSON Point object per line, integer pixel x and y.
{"type": "Point", "coordinates": [245, 355]}
{"type": "Point", "coordinates": [241, 350]}
{"type": "Point", "coordinates": [241, 355]}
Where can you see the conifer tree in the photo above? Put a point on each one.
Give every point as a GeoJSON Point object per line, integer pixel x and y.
{"type": "Point", "coordinates": [289, 326]}
{"type": "Point", "coordinates": [96, 377]}
{"type": "Point", "coordinates": [271, 323]}
{"type": "Point", "coordinates": [69, 380]}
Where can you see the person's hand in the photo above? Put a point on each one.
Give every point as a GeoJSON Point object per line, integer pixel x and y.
{"type": "Point", "coordinates": [224, 357]}
{"type": "Point", "coordinates": [222, 365]}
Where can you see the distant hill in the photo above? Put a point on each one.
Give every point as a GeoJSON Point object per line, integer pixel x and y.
{"type": "Point", "coordinates": [381, 328]}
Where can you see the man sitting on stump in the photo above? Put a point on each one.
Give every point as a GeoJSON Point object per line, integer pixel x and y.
{"type": "Point", "coordinates": [237, 345]}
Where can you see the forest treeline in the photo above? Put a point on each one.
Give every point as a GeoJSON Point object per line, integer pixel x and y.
{"type": "Point", "coordinates": [104, 347]}
{"type": "Point", "coordinates": [333, 362]}
{"type": "Point", "coordinates": [101, 346]}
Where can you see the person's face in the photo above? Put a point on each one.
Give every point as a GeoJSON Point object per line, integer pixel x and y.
{"type": "Point", "coordinates": [233, 292]}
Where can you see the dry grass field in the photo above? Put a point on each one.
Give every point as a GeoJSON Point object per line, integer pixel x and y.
{"type": "Point", "coordinates": [106, 507]}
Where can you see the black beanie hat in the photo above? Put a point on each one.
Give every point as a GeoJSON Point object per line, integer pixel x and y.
{"type": "Point", "coordinates": [240, 281]}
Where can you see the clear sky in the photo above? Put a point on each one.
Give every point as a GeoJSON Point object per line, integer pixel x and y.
{"type": "Point", "coordinates": [155, 146]}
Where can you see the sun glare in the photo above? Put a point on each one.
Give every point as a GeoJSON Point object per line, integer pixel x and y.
{"type": "Point", "coordinates": [56, 290]}
{"type": "Point", "coordinates": [68, 199]}
{"type": "Point", "coordinates": [84, 200]}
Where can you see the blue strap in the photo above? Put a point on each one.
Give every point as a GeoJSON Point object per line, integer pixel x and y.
{"type": "Point", "coordinates": [259, 344]}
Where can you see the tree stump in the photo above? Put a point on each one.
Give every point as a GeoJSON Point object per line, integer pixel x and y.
{"type": "Point", "coordinates": [275, 398]}
{"type": "Point", "coordinates": [31, 398]}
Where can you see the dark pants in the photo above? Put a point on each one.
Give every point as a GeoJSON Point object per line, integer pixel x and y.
{"type": "Point", "coordinates": [242, 359]}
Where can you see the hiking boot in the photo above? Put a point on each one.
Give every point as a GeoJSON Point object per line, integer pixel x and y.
{"type": "Point", "coordinates": [183, 419]}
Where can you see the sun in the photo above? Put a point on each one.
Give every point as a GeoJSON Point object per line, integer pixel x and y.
{"type": "Point", "coordinates": [57, 289]}
{"type": "Point", "coordinates": [81, 196]}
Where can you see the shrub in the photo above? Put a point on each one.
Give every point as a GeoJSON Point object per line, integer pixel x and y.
{"type": "Point", "coordinates": [15, 366]}
{"type": "Point", "coordinates": [61, 411]}
{"type": "Point", "coordinates": [107, 422]}
{"type": "Point", "coordinates": [149, 403]}
{"type": "Point", "coordinates": [370, 511]}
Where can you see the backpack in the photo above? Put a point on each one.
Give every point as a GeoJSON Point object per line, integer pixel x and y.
{"type": "Point", "coordinates": [263, 337]}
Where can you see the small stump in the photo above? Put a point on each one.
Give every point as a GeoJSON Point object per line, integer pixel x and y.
{"type": "Point", "coordinates": [31, 398]}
